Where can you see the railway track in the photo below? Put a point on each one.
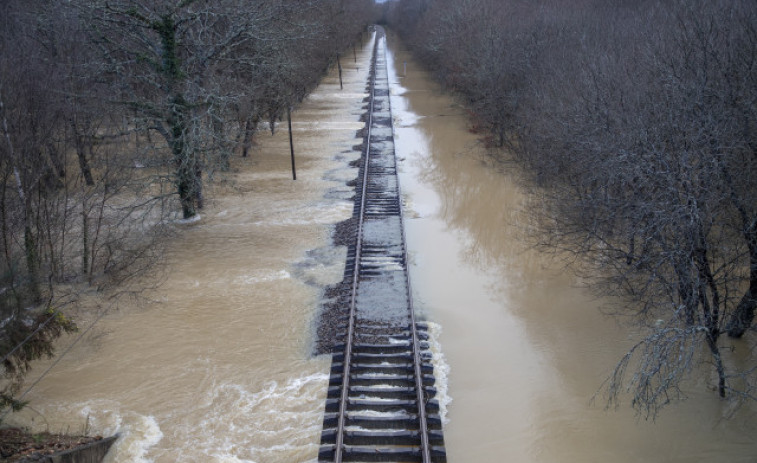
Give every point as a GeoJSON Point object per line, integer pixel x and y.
{"type": "Point", "coordinates": [381, 403]}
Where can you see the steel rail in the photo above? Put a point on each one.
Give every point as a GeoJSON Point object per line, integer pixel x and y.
{"type": "Point", "coordinates": [423, 425]}
{"type": "Point", "coordinates": [356, 270]}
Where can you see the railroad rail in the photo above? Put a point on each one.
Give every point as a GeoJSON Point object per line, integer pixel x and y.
{"type": "Point", "coordinates": [381, 402]}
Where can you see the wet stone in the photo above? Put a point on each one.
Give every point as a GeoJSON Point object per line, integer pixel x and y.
{"type": "Point", "coordinates": [383, 299]}
{"type": "Point", "coordinates": [388, 184]}
{"type": "Point", "coordinates": [385, 148]}
{"type": "Point", "coordinates": [382, 162]}
{"type": "Point", "coordinates": [385, 231]}
{"type": "Point", "coordinates": [383, 133]}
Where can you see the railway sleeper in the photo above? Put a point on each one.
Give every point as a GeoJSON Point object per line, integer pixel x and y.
{"type": "Point", "coordinates": [381, 169]}
{"type": "Point", "coordinates": [382, 454]}
{"type": "Point", "coordinates": [404, 344]}
{"type": "Point", "coordinates": [386, 390]}
{"type": "Point", "coordinates": [366, 357]}
{"type": "Point", "coordinates": [390, 367]}
{"type": "Point", "coordinates": [383, 348]}
{"type": "Point", "coordinates": [383, 261]}
{"type": "Point", "coordinates": [383, 256]}
{"type": "Point", "coordinates": [395, 392]}
{"type": "Point", "coordinates": [392, 380]}
{"type": "Point", "coordinates": [379, 191]}
{"type": "Point", "coordinates": [374, 437]}
{"type": "Point", "coordinates": [398, 369]}
{"type": "Point", "coordinates": [409, 421]}
{"type": "Point", "coordinates": [379, 248]}
{"type": "Point", "coordinates": [381, 362]}
{"type": "Point", "coordinates": [390, 437]}
{"type": "Point", "coordinates": [372, 262]}
{"type": "Point", "coordinates": [376, 404]}
{"type": "Point", "coordinates": [372, 273]}
{"type": "Point", "coordinates": [389, 333]}
{"type": "Point", "coordinates": [393, 251]}
{"type": "Point", "coordinates": [388, 202]}
{"type": "Point", "coordinates": [381, 212]}
{"type": "Point", "coordinates": [386, 406]}
{"type": "Point", "coordinates": [338, 357]}
{"type": "Point", "coordinates": [386, 348]}
{"type": "Point", "coordinates": [374, 203]}
{"type": "Point", "coordinates": [384, 421]}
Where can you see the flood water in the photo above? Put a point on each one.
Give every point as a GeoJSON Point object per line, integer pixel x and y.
{"type": "Point", "coordinates": [217, 367]}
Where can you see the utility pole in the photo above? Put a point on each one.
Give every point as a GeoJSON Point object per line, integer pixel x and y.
{"type": "Point", "coordinates": [291, 143]}
{"type": "Point", "coordinates": [339, 65]}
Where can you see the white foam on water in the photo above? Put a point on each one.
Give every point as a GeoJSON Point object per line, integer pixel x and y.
{"type": "Point", "coordinates": [327, 125]}
{"type": "Point", "coordinates": [278, 421]}
{"type": "Point", "coordinates": [194, 219]}
{"type": "Point", "coordinates": [261, 277]}
{"type": "Point", "coordinates": [441, 369]}
{"type": "Point", "coordinates": [323, 213]}
{"type": "Point", "coordinates": [137, 433]}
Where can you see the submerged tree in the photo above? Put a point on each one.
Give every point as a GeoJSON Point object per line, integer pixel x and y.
{"type": "Point", "coordinates": [636, 124]}
{"type": "Point", "coordinates": [109, 110]}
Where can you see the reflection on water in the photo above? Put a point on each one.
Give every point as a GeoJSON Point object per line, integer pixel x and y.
{"type": "Point", "coordinates": [527, 348]}
{"type": "Point", "coordinates": [217, 367]}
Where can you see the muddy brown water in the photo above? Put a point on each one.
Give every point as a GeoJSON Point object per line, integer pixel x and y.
{"type": "Point", "coordinates": [218, 368]}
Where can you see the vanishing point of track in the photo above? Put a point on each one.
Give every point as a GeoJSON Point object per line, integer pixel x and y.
{"type": "Point", "coordinates": [380, 404]}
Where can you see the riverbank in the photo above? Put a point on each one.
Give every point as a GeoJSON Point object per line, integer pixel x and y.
{"type": "Point", "coordinates": [19, 445]}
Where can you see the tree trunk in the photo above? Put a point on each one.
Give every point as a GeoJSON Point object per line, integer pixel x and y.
{"type": "Point", "coordinates": [743, 317]}
{"type": "Point", "coordinates": [56, 160]}
{"type": "Point", "coordinates": [32, 263]}
{"type": "Point", "coordinates": [712, 344]}
{"type": "Point", "coordinates": [339, 66]}
{"type": "Point", "coordinates": [84, 240]}
{"type": "Point", "coordinates": [224, 147]}
{"type": "Point", "coordinates": [185, 168]}
{"type": "Point", "coordinates": [249, 131]}
{"type": "Point", "coordinates": [197, 189]}
{"type": "Point", "coordinates": [7, 252]}
{"type": "Point", "coordinates": [86, 171]}
{"type": "Point", "coordinates": [30, 244]}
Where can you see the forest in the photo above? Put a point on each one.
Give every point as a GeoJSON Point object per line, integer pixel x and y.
{"type": "Point", "coordinates": [114, 116]}
{"type": "Point", "coordinates": [634, 125]}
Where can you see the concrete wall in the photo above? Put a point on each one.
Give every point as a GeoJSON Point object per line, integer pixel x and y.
{"type": "Point", "coordinates": [90, 453]}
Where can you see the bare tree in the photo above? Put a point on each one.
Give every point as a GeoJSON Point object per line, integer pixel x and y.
{"type": "Point", "coordinates": [636, 123]}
